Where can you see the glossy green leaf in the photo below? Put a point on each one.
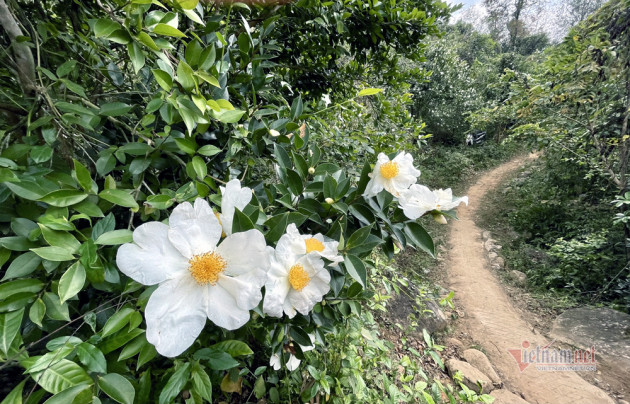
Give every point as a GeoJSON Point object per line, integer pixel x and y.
{"type": "Point", "coordinates": [68, 395]}
{"type": "Point", "coordinates": [71, 282]}
{"type": "Point", "coordinates": [117, 387]}
{"type": "Point", "coordinates": [53, 253]}
{"type": "Point", "coordinates": [356, 268]}
{"type": "Point", "coordinates": [23, 265]}
{"type": "Point", "coordinates": [92, 358]}
{"type": "Point", "coordinates": [64, 197]}
{"type": "Point", "coordinates": [119, 197]}
{"type": "Point", "coordinates": [115, 237]}
{"type": "Point", "coordinates": [370, 91]}
{"type": "Point", "coordinates": [163, 79]}
{"type": "Point", "coordinates": [9, 328]}
{"type": "Point", "coordinates": [167, 30]}
{"type": "Point", "coordinates": [175, 384]}
{"type": "Point", "coordinates": [61, 376]}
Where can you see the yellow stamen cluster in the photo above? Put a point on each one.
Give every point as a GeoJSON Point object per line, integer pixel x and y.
{"type": "Point", "coordinates": [298, 278]}
{"type": "Point", "coordinates": [389, 170]}
{"type": "Point", "coordinates": [206, 268]}
{"type": "Point", "coordinates": [313, 244]}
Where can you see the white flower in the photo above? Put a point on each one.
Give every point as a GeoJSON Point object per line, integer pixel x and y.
{"type": "Point", "coordinates": [394, 176]}
{"type": "Point", "coordinates": [197, 279]}
{"type": "Point", "coordinates": [232, 196]}
{"type": "Point", "coordinates": [295, 282]}
{"type": "Point", "coordinates": [417, 200]}
{"type": "Point", "coordinates": [301, 244]}
{"type": "Point", "coordinates": [293, 361]}
{"type": "Point", "coordinates": [445, 200]}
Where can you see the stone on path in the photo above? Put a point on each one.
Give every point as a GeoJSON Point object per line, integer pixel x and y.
{"type": "Point", "coordinates": [486, 235]}
{"type": "Point", "coordinates": [503, 396]}
{"type": "Point", "coordinates": [479, 360]}
{"type": "Point", "coordinates": [470, 375]}
{"type": "Point", "coordinates": [455, 343]}
{"type": "Point", "coordinates": [606, 330]}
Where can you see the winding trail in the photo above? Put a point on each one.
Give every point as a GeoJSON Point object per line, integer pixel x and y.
{"type": "Point", "coordinates": [490, 317]}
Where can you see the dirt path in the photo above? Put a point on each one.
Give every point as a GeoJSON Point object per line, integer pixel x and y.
{"type": "Point", "coordinates": [490, 317]}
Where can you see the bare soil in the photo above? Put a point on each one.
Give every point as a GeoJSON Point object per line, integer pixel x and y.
{"type": "Point", "coordinates": [489, 318]}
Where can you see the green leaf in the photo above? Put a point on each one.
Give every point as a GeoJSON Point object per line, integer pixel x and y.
{"type": "Point", "coordinates": [295, 182]}
{"type": "Point", "coordinates": [282, 156]}
{"type": "Point", "coordinates": [119, 197]}
{"type": "Point", "coordinates": [61, 376]}
{"type": "Point", "coordinates": [37, 312]}
{"type": "Point", "coordinates": [74, 87]}
{"type": "Point", "coordinates": [114, 109]}
{"type": "Point", "coordinates": [117, 387]}
{"type": "Point", "coordinates": [160, 201]}
{"type": "Point", "coordinates": [115, 237]}
{"type": "Point", "coordinates": [208, 150]}
{"type": "Point", "coordinates": [27, 189]}
{"type": "Point", "coordinates": [201, 382]}
{"type": "Point", "coordinates": [296, 108]}
{"type": "Point", "coordinates": [175, 384]}
{"type": "Point", "coordinates": [54, 308]}
{"type": "Point", "coordinates": [200, 167]}
{"type": "Point", "coordinates": [71, 282]}
{"type": "Point", "coordinates": [358, 237]}
{"type": "Point", "coordinates": [105, 27]}
{"type": "Point", "coordinates": [16, 243]}
{"type": "Point", "coordinates": [53, 253]}
{"type": "Point", "coordinates": [9, 327]}
{"type": "Point", "coordinates": [23, 265]}
{"type": "Point", "coordinates": [136, 54]}
{"type": "Point", "coordinates": [277, 225]}
{"type": "Point", "coordinates": [92, 357]}
{"type": "Point", "coordinates": [356, 269]}
{"type": "Point", "coordinates": [369, 91]}
{"type": "Point", "coordinates": [83, 176]}
{"type": "Point", "coordinates": [165, 29]}
{"type": "Point", "coordinates": [233, 347]}
{"type": "Point", "coordinates": [15, 396]}
{"type": "Point", "coordinates": [230, 116]}
{"type": "Point", "coordinates": [163, 79]}
{"type": "Point", "coordinates": [147, 41]}
{"type": "Point", "coordinates": [41, 154]}
{"type": "Point", "coordinates": [217, 360]}
{"type": "Point", "coordinates": [68, 395]}
{"type": "Point", "coordinates": [185, 75]}
{"type": "Point", "coordinates": [300, 336]}
{"type": "Point", "coordinates": [420, 238]}
{"type": "Point", "coordinates": [187, 4]}
{"type": "Point", "coordinates": [64, 197]}
{"type": "Point", "coordinates": [11, 288]}
{"type": "Point", "coordinates": [61, 239]}
{"type": "Point", "coordinates": [88, 208]}
{"type": "Point", "coordinates": [117, 321]}
{"type": "Point", "coordinates": [241, 222]}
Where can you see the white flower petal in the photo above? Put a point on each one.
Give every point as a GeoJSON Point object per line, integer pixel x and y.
{"type": "Point", "coordinates": [175, 314]}
{"type": "Point", "coordinates": [245, 289]}
{"type": "Point", "coordinates": [293, 363]}
{"type": "Point", "coordinates": [274, 361]}
{"type": "Point", "coordinates": [223, 309]}
{"type": "Point", "coordinates": [194, 231]}
{"type": "Point", "coordinates": [417, 200]}
{"type": "Point", "coordinates": [151, 258]}
{"type": "Point", "coordinates": [233, 196]}
{"type": "Point", "coordinates": [276, 289]}
{"type": "Point", "coordinates": [243, 252]}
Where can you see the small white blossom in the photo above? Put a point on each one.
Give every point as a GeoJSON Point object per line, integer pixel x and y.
{"type": "Point", "coordinates": [394, 176]}
{"type": "Point", "coordinates": [232, 196]}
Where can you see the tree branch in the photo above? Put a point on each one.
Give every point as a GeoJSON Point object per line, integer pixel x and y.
{"type": "Point", "coordinates": [23, 58]}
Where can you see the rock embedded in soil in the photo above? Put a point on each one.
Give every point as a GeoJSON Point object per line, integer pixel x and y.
{"type": "Point", "coordinates": [492, 256]}
{"type": "Point", "coordinates": [518, 277]}
{"type": "Point", "coordinates": [503, 396]}
{"type": "Point", "coordinates": [470, 375]}
{"type": "Point", "coordinates": [489, 245]}
{"type": "Point", "coordinates": [500, 262]}
{"type": "Point", "coordinates": [434, 320]}
{"type": "Point", "coordinates": [479, 360]}
{"type": "Point", "coordinates": [605, 330]}
{"type": "Point", "coordinates": [455, 343]}
{"type": "Point", "coordinates": [486, 235]}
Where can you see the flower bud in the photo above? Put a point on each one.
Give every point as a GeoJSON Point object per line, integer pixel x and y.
{"type": "Point", "coordinates": [274, 133]}
{"type": "Point", "coordinates": [439, 218]}
{"type": "Point", "coordinates": [329, 201]}
{"type": "Point", "coordinates": [311, 170]}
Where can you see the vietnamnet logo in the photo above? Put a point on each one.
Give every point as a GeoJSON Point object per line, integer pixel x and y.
{"type": "Point", "coordinates": [546, 358]}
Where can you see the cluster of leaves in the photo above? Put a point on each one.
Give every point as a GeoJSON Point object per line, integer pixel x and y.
{"type": "Point", "coordinates": [135, 107]}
